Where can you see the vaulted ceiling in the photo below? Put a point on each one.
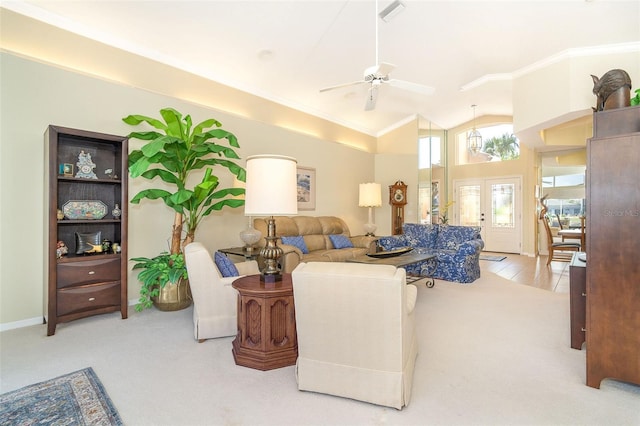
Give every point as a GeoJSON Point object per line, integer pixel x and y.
{"type": "Point", "coordinates": [286, 51]}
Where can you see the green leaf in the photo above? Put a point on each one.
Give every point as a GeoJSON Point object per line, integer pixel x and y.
{"type": "Point", "coordinates": [218, 134]}
{"type": "Point", "coordinates": [134, 120]}
{"type": "Point", "coordinates": [174, 122]}
{"type": "Point", "coordinates": [152, 194]}
{"type": "Point", "coordinates": [219, 205]}
{"type": "Point", "coordinates": [205, 125]}
{"type": "Point", "coordinates": [163, 174]}
{"type": "Point", "coordinates": [146, 136]}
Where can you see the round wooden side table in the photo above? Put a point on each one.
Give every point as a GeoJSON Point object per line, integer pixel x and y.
{"type": "Point", "coordinates": [266, 336]}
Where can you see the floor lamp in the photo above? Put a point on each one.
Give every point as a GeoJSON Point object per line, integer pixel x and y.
{"type": "Point", "coordinates": [271, 190]}
{"type": "Point", "coordinates": [370, 196]}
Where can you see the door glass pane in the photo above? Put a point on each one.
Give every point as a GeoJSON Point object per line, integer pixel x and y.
{"type": "Point", "coordinates": [469, 208]}
{"type": "Point", "coordinates": [502, 205]}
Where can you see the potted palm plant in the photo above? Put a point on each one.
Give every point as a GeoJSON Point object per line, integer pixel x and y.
{"type": "Point", "coordinates": [173, 152]}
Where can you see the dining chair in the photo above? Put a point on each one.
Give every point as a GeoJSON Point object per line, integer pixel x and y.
{"type": "Point", "coordinates": [558, 251]}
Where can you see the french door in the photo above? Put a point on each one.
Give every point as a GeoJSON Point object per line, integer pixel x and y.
{"type": "Point", "coordinates": [495, 205]}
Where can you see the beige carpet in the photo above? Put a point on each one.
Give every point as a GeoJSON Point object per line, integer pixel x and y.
{"type": "Point", "coordinates": [491, 353]}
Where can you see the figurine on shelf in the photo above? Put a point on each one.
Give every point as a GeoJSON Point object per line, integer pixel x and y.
{"type": "Point", "coordinates": [61, 249]}
{"type": "Point", "coordinates": [95, 248]}
{"type": "Point", "coordinates": [116, 212]}
{"type": "Point", "coordinates": [106, 245]}
{"type": "Point", "coordinates": [85, 166]}
{"type": "Point", "coordinates": [60, 214]}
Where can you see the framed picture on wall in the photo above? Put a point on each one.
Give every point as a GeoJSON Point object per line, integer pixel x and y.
{"type": "Point", "coordinates": [306, 179]}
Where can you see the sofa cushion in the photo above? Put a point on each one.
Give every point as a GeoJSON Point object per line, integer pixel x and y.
{"type": "Point", "coordinates": [225, 265]}
{"type": "Point", "coordinates": [307, 225]}
{"type": "Point", "coordinates": [296, 241]}
{"type": "Point", "coordinates": [284, 226]}
{"type": "Point", "coordinates": [420, 235]}
{"type": "Point", "coordinates": [333, 225]}
{"type": "Point", "coordinates": [316, 242]}
{"type": "Point", "coordinates": [340, 241]}
{"type": "Point", "coordinates": [450, 236]}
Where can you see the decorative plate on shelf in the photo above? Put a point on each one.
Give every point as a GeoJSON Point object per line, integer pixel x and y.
{"type": "Point", "coordinates": [84, 209]}
{"type": "Point", "coordinates": [391, 253]}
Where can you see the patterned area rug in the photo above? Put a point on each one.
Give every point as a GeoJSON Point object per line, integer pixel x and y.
{"type": "Point", "coordinates": [73, 399]}
{"type": "Point", "coordinates": [492, 258]}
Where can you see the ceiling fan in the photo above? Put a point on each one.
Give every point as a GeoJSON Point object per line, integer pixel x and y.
{"type": "Point", "coordinates": [377, 75]}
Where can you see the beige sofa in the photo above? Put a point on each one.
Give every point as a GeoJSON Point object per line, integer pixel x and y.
{"type": "Point", "coordinates": [315, 232]}
{"type": "Point", "coordinates": [356, 331]}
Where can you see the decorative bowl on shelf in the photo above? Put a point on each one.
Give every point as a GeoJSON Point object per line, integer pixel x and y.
{"type": "Point", "coordinates": [84, 209]}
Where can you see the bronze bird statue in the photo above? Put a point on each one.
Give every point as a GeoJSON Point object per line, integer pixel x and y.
{"type": "Point", "coordinates": [613, 90]}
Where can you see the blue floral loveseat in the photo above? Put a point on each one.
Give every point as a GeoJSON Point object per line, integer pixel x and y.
{"type": "Point", "coordinates": [457, 250]}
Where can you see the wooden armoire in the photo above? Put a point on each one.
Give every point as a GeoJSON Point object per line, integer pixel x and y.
{"type": "Point", "coordinates": [613, 247]}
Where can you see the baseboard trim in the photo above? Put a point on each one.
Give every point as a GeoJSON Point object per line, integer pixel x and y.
{"type": "Point", "coordinates": [39, 320]}
{"type": "Point", "coordinates": [22, 323]}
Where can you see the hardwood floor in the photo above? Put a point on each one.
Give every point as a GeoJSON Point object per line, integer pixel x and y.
{"type": "Point", "coordinates": [532, 271]}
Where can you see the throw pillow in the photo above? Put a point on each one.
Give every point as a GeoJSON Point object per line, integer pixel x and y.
{"type": "Point", "coordinates": [340, 241]}
{"type": "Point", "coordinates": [226, 267]}
{"type": "Point", "coordinates": [296, 241]}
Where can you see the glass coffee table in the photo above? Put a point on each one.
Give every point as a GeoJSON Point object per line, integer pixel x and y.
{"type": "Point", "coordinates": [398, 261]}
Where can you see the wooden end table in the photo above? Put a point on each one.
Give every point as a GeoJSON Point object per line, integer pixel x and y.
{"type": "Point", "coordinates": [266, 336]}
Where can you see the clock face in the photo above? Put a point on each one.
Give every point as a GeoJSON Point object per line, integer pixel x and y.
{"type": "Point", "coordinates": [85, 168]}
{"type": "Point", "coordinates": [398, 195]}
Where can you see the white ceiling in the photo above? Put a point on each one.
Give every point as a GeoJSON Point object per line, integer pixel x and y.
{"type": "Point", "coordinates": [286, 51]}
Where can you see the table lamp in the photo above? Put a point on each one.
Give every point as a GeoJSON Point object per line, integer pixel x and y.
{"type": "Point", "coordinates": [370, 196]}
{"type": "Point", "coordinates": [271, 190]}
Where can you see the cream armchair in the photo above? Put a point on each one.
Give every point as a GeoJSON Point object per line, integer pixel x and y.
{"type": "Point", "coordinates": [215, 301]}
{"type": "Point", "coordinates": [356, 333]}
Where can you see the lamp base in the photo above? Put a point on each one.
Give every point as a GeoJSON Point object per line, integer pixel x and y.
{"type": "Point", "coordinates": [270, 278]}
{"type": "Point", "coordinates": [271, 253]}
{"type": "Point", "coordinates": [370, 229]}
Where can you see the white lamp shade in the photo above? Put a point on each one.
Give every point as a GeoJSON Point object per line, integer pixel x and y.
{"type": "Point", "coordinates": [271, 187]}
{"type": "Point", "coordinates": [370, 195]}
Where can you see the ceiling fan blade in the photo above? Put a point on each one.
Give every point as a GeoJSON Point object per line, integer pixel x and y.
{"type": "Point", "coordinates": [372, 97]}
{"type": "Point", "coordinates": [385, 68]}
{"type": "Point", "coordinates": [340, 86]}
{"type": "Point", "coordinates": [413, 87]}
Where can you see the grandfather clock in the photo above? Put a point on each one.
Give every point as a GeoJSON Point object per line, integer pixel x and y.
{"type": "Point", "coordinates": [397, 199]}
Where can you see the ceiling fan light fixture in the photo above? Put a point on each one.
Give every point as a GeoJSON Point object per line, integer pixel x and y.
{"type": "Point", "coordinates": [392, 11]}
{"type": "Point", "coordinates": [474, 138]}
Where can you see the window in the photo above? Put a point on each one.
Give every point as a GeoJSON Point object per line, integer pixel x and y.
{"type": "Point", "coordinates": [429, 154]}
{"type": "Point", "coordinates": [565, 198]}
{"type": "Point", "coordinates": [498, 144]}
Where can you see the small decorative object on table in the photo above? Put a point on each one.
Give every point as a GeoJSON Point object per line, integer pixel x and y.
{"type": "Point", "coordinates": [85, 166]}
{"type": "Point", "coordinates": [390, 253]}
{"type": "Point", "coordinates": [250, 236]}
